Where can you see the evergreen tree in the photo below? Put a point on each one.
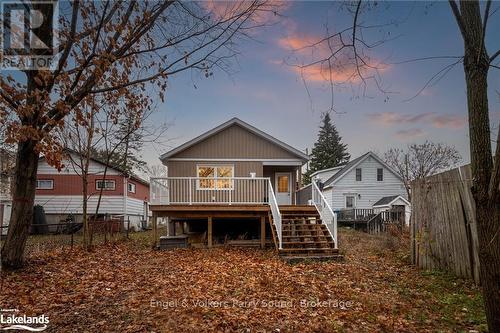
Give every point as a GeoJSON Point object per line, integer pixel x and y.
{"type": "Point", "coordinates": [328, 151]}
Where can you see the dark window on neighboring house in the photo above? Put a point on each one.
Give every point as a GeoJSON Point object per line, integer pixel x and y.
{"type": "Point", "coordinates": [380, 174]}
{"type": "Point", "coordinates": [358, 174]}
{"type": "Point", "coordinates": [44, 184]}
{"type": "Point", "coordinates": [107, 185]}
{"type": "Point", "coordinates": [131, 187]}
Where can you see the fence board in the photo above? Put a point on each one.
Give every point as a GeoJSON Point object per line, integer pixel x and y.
{"type": "Point", "coordinates": [443, 225]}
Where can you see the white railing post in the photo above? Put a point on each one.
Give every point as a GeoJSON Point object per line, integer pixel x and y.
{"type": "Point", "coordinates": [275, 211]}
{"type": "Point", "coordinates": [328, 217]}
{"type": "Point", "coordinates": [190, 191]}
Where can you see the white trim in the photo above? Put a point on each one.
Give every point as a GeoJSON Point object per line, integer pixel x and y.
{"type": "Point", "coordinates": [382, 175]}
{"type": "Point", "coordinates": [361, 160]}
{"type": "Point", "coordinates": [215, 178]}
{"type": "Point", "coordinates": [105, 188]}
{"type": "Point", "coordinates": [285, 163]}
{"type": "Point", "coordinates": [234, 121]}
{"type": "Point", "coordinates": [326, 170]}
{"type": "Point", "coordinates": [290, 185]}
{"type": "Point", "coordinates": [45, 188]}
{"type": "Point", "coordinates": [354, 195]}
{"type": "Point", "coordinates": [203, 159]}
{"type": "Point", "coordinates": [390, 203]}
{"type": "Point", "coordinates": [362, 186]}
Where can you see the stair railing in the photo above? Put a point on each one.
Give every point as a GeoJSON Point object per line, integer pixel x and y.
{"type": "Point", "coordinates": [328, 217]}
{"type": "Point", "coordinates": [275, 211]}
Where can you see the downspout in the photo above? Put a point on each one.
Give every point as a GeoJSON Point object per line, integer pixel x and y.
{"type": "Point", "coordinates": [125, 194]}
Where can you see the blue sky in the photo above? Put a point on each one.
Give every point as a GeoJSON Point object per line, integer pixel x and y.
{"type": "Point", "coordinates": [271, 95]}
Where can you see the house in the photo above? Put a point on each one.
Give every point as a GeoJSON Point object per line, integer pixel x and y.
{"type": "Point", "coordinates": [355, 189]}
{"type": "Point", "coordinates": [60, 192]}
{"type": "Point", "coordinates": [237, 183]}
{"type": "Point", "coordinates": [394, 203]}
{"type": "Point", "coordinates": [7, 163]}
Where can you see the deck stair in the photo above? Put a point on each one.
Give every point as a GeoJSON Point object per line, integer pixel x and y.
{"type": "Point", "coordinates": [304, 236]}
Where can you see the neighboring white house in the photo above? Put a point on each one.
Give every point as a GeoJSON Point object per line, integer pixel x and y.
{"type": "Point", "coordinates": [361, 183]}
{"type": "Point", "coordinates": [393, 202]}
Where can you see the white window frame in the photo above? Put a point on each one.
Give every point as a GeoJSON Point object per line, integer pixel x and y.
{"type": "Point", "coordinates": [105, 187]}
{"type": "Point", "coordinates": [382, 174]}
{"type": "Point", "coordinates": [131, 187]}
{"type": "Point", "coordinates": [345, 200]}
{"type": "Point", "coordinates": [360, 174]}
{"type": "Point", "coordinates": [51, 182]}
{"type": "Point", "coordinates": [215, 167]}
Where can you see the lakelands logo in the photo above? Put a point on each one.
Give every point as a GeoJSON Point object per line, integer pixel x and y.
{"type": "Point", "coordinates": [28, 38]}
{"type": "Point", "coordinates": [10, 319]}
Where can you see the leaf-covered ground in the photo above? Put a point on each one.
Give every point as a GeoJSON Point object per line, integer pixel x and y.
{"type": "Point", "coordinates": [128, 287]}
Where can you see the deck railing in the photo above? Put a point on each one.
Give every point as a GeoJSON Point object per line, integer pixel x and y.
{"type": "Point", "coordinates": [328, 217]}
{"type": "Point", "coordinates": [206, 190]}
{"type": "Point", "coordinates": [275, 211]}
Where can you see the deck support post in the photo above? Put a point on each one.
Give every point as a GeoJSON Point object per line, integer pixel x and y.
{"type": "Point", "coordinates": [262, 232]}
{"type": "Point", "coordinates": [209, 233]}
{"type": "Point", "coordinates": [155, 230]}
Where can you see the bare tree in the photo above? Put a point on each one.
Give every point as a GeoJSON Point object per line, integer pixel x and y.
{"type": "Point", "coordinates": [421, 160]}
{"type": "Point", "coordinates": [120, 51]}
{"type": "Point", "coordinates": [349, 49]}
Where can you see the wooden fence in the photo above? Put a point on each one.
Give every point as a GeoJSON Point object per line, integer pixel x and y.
{"type": "Point", "coordinates": [443, 224]}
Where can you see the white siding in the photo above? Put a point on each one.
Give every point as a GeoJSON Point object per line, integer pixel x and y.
{"type": "Point", "coordinates": [135, 206]}
{"type": "Point", "coordinates": [368, 190]}
{"type": "Point", "coordinates": [72, 204]}
{"type": "Point", "coordinates": [323, 176]}
{"type": "Point", "coordinates": [94, 168]}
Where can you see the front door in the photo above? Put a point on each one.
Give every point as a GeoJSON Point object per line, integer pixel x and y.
{"type": "Point", "coordinates": [283, 186]}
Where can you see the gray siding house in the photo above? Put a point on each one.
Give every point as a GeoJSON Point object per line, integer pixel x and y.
{"type": "Point", "coordinates": [235, 185]}
{"type": "Point", "coordinates": [236, 149]}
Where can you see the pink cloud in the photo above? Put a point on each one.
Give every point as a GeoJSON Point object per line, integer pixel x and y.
{"type": "Point", "coordinates": [410, 133]}
{"type": "Point", "coordinates": [393, 118]}
{"type": "Point", "coordinates": [449, 121]}
{"type": "Point", "coordinates": [314, 52]}
{"type": "Point", "coordinates": [434, 119]}
{"type": "Point", "coordinates": [265, 14]}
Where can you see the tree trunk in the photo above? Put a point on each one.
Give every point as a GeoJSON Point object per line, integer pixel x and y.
{"type": "Point", "coordinates": [476, 65]}
{"type": "Point", "coordinates": [22, 205]}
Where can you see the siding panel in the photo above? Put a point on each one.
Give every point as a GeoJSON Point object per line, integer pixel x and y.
{"type": "Point", "coordinates": [235, 142]}
{"type": "Point", "coordinates": [369, 188]}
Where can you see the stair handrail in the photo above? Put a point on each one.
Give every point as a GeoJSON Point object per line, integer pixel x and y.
{"type": "Point", "coordinates": [328, 217]}
{"type": "Point", "coordinates": [275, 211]}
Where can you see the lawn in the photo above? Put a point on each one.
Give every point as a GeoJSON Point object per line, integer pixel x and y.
{"type": "Point", "coordinates": [127, 287]}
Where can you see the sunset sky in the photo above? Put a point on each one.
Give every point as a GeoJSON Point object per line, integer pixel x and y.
{"type": "Point", "coordinates": [267, 92]}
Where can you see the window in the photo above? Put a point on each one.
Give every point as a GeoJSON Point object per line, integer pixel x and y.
{"type": "Point", "coordinates": [45, 184]}
{"type": "Point", "coordinates": [107, 185]}
{"type": "Point", "coordinates": [350, 201]}
{"type": "Point", "coordinates": [358, 174]}
{"type": "Point", "coordinates": [283, 182]}
{"type": "Point", "coordinates": [131, 187]}
{"type": "Point", "coordinates": [213, 177]}
{"type": "Point", "coordinates": [380, 174]}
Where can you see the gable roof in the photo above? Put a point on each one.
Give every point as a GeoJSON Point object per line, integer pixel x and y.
{"type": "Point", "coordinates": [131, 175]}
{"type": "Point", "coordinates": [231, 122]}
{"type": "Point", "coordinates": [353, 163]}
{"type": "Point", "coordinates": [387, 201]}
{"type": "Point", "coordinates": [326, 170]}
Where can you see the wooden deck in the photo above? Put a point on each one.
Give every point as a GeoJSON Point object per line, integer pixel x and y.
{"type": "Point", "coordinates": [216, 211]}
